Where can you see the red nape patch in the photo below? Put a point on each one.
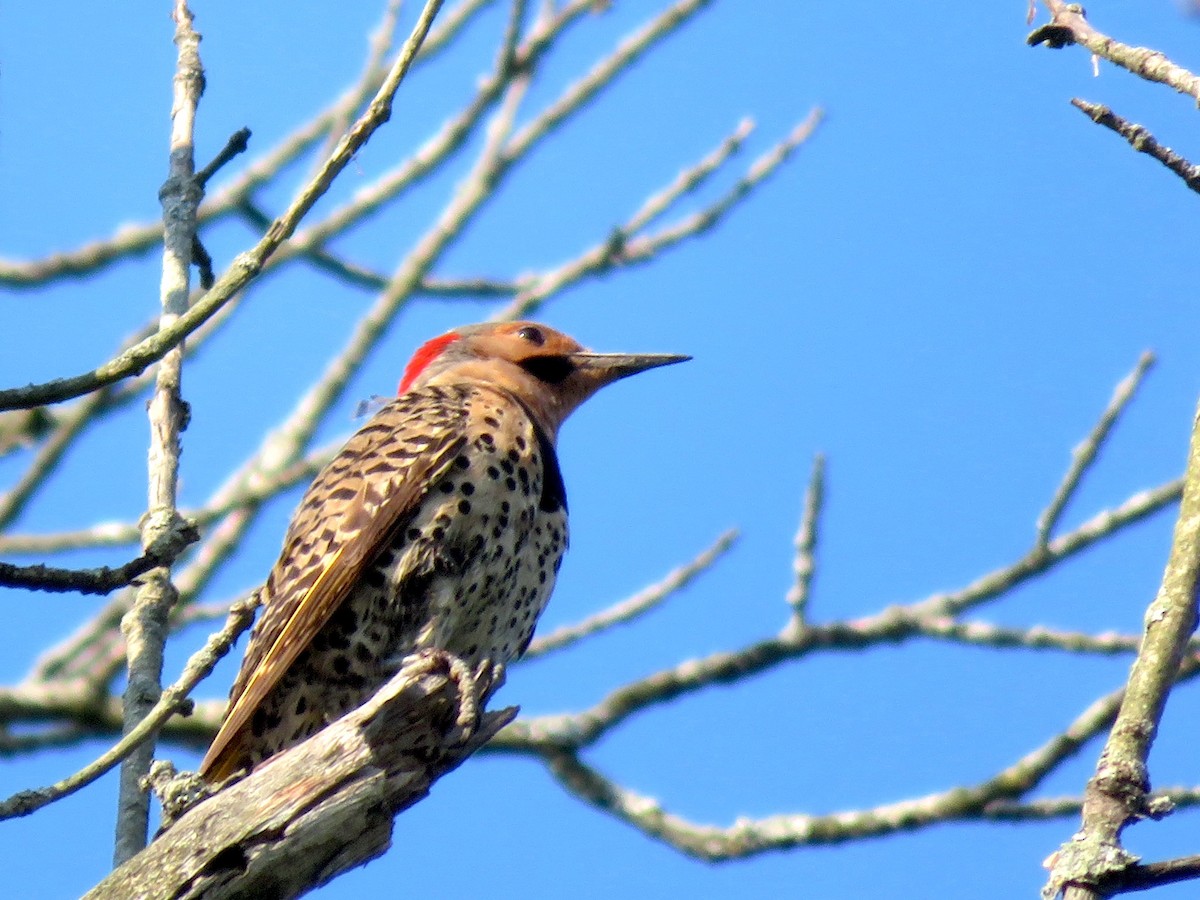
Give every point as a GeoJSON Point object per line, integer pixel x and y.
{"type": "Point", "coordinates": [426, 353]}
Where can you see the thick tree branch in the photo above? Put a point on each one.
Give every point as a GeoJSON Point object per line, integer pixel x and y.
{"type": "Point", "coordinates": [326, 805]}
{"type": "Point", "coordinates": [1069, 25]}
{"type": "Point", "coordinates": [145, 626]}
{"type": "Point", "coordinates": [1116, 795]}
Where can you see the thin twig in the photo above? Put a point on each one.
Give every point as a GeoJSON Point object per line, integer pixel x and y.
{"type": "Point", "coordinates": [1083, 456]}
{"type": "Point", "coordinates": [1141, 140]}
{"type": "Point", "coordinates": [379, 44]}
{"type": "Point", "coordinates": [1035, 637]}
{"type": "Point", "coordinates": [1039, 559]}
{"type": "Point", "coordinates": [1146, 876]}
{"type": "Point", "coordinates": [804, 564]}
{"type": "Point", "coordinates": [690, 179]}
{"type": "Point", "coordinates": [50, 454]}
{"type": "Point", "coordinates": [238, 143]}
{"type": "Point", "coordinates": [623, 248]}
{"type": "Point", "coordinates": [633, 607]}
{"type": "Point", "coordinates": [358, 275]}
{"type": "Point", "coordinates": [101, 580]}
{"type": "Point", "coordinates": [1058, 807]}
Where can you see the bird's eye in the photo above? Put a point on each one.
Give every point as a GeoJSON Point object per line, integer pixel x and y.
{"type": "Point", "coordinates": [533, 335]}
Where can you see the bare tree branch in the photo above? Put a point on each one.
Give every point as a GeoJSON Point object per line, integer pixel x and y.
{"type": "Point", "coordinates": [993, 798]}
{"type": "Point", "coordinates": [101, 580]}
{"type": "Point", "coordinates": [623, 247]}
{"type": "Point", "coordinates": [145, 626]}
{"type": "Point", "coordinates": [248, 264]}
{"type": "Point", "coordinates": [636, 606]}
{"type": "Point", "coordinates": [48, 456]}
{"type": "Point", "coordinates": [1083, 456]}
{"type": "Point", "coordinates": [1141, 140]}
{"type": "Point", "coordinates": [804, 566]}
{"type": "Point", "coordinates": [1069, 25]}
{"type": "Point", "coordinates": [327, 804]}
{"type": "Point", "coordinates": [134, 240]}
{"type": "Point", "coordinates": [1116, 794]}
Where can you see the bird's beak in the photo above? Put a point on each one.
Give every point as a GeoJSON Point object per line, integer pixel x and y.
{"type": "Point", "coordinates": [605, 368]}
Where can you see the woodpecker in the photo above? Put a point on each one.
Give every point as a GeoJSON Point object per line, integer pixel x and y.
{"type": "Point", "coordinates": [441, 524]}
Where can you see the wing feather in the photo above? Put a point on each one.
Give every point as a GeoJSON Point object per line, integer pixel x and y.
{"type": "Point", "coordinates": [343, 522]}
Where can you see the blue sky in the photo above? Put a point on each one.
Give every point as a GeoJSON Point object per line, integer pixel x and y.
{"type": "Point", "coordinates": [938, 292]}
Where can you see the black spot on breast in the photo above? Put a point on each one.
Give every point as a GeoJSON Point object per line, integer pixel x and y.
{"type": "Point", "coordinates": [339, 640]}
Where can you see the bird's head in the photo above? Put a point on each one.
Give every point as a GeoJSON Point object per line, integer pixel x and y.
{"type": "Point", "coordinates": [549, 372]}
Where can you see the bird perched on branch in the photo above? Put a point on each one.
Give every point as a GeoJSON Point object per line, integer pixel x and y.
{"type": "Point", "coordinates": [441, 524]}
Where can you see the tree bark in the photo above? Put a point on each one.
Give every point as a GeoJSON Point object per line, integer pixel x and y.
{"type": "Point", "coordinates": [327, 804]}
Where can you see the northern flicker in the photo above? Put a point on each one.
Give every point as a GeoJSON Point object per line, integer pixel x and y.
{"type": "Point", "coordinates": [440, 524]}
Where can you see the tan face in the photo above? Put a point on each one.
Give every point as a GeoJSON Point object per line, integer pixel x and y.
{"type": "Point", "coordinates": [550, 373]}
{"type": "Point", "coordinates": [519, 342]}
{"type": "Point", "coordinates": [536, 364]}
